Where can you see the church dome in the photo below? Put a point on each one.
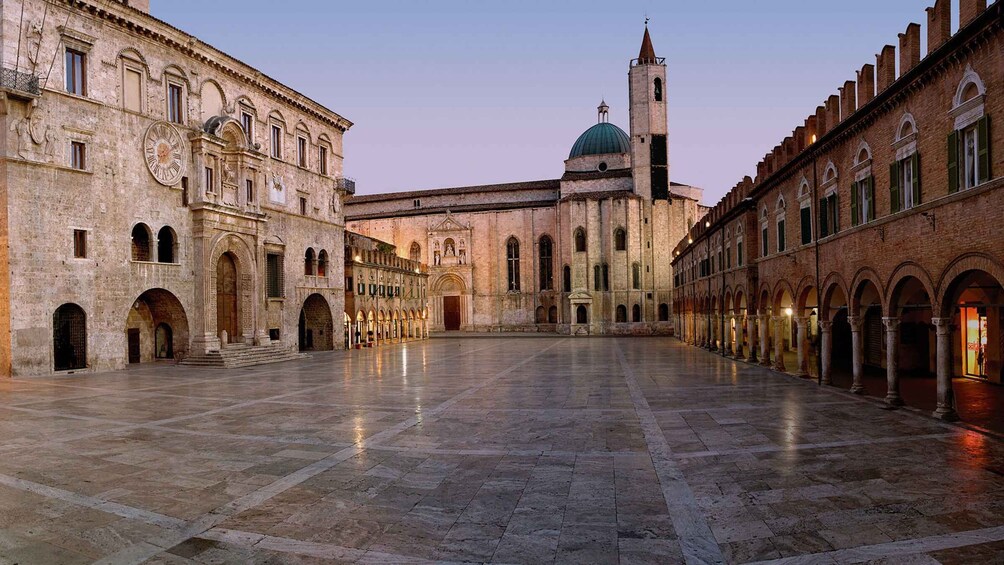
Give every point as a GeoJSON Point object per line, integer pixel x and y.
{"type": "Point", "coordinates": [600, 139]}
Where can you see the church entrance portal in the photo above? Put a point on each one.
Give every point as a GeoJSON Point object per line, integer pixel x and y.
{"type": "Point", "coordinates": [451, 313]}
{"type": "Point", "coordinates": [226, 297]}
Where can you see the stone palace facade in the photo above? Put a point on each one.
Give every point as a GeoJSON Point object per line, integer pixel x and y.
{"type": "Point", "coordinates": [159, 197]}
{"type": "Point", "coordinates": [583, 254]}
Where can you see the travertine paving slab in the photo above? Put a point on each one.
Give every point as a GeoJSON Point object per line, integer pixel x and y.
{"type": "Point", "coordinates": [507, 450]}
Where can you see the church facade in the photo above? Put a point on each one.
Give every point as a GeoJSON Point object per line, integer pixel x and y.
{"type": "Point", "coordinates": [584, 254]}
{"type": "Point", "coordinates": [160, 199]}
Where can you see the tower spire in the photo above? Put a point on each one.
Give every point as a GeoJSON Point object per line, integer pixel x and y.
{"type": "Point", "coordinates": [646, 56]}
{"type": "Point", "coordinates": [602, 112]}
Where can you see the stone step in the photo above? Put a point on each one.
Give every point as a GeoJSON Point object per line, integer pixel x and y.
{"type": "Point", "coordinates": [242, 355]}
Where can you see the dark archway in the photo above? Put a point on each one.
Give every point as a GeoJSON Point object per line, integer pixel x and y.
{"type": "Point", "coordinates": [156, 327]}
{"type": "Point", "coordinates": [69, 338]}
{"type": "Point", "coordinates": [316, 325]}
{"type": "Point", "coordinates": [581, 314]}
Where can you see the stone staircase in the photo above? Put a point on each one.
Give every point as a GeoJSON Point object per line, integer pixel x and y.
{"type": "Point", "coordinates": [237, 355]}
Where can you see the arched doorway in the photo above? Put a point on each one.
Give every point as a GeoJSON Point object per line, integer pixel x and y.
{"type": "Point", "coordinates": [452, 288]}
{"type": "Point", "coordinates": [316, 327]}
{"type": "Point", "coordinates": [227, 314]}
{"type": "Point", "coordinates": [581, 314]}
{"type": "Point", "coordinates": [69, 338]}
{"type": "Point", "coordinates": [156, 327]}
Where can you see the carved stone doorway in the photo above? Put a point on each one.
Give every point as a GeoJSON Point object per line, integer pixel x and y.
{"type": "Point", "coordinates": [451, 313]}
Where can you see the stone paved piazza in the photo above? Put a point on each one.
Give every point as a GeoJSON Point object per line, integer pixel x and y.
{"type": "Point", "coordinates": [511, 450]}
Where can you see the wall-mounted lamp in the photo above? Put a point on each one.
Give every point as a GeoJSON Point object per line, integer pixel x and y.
{"type": "Point", "coordinates": [788, 312]}
{"type": "Point", "coordinates": [707, 223]}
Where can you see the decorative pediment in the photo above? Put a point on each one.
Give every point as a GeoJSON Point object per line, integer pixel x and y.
{"type": "Point", "coordinates": [450, 224]}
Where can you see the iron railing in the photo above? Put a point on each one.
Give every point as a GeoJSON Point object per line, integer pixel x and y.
{"type": "Point", "coordinates": [16, 80]}
{"type": "Point", "coordinates": [347, 184]}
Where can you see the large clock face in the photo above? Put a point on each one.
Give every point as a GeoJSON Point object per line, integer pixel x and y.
{"type": "Point", "coordinates": [164, 152]}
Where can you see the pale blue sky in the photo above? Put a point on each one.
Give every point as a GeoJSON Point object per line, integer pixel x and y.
{"type": "Point", "coordinates": [453, 92]}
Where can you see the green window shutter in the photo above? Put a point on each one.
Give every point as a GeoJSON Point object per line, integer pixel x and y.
{"type": "Point", "coordinates": [823, 225]}
{"type": "Point", "coordinates": [983, 139]}
{"type": "Point", "coordinates": [894, 188]}
{"type": "Point", "coordinates": [870, 196]}
{"type": "Point", "coordinates": [806, 225]}
{"type": "Point", "coordinates": [915, 168]}
{"type": "Point", "coordinates": [953, 162]}
{"type": "Point", "coordinates": [780, 236]}
{"type": "Point", "coordinates": [855, 215]}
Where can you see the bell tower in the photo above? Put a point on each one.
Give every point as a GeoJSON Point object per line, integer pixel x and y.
{"type": "Point", "coordinates": [649, 141]}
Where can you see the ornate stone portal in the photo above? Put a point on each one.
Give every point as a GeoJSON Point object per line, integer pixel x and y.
{"type": "Point", "coordinates": [451, 285]}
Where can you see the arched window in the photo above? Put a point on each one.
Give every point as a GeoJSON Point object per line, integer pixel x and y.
{"type": "Point", "coordinates": [969, 144]}
{"type": "Point", "coordinates": [512, 261]}
{"type": "Point", "coordinates": [308, 262]}
{"type": "Point", "coordinates": [552, 315]}
{"type": "Point", "coordinates": [566, 276]}
{"type": "Point", "coordinates": [541, 315]}
{"type": "Point", "coordinates": [636, 276]}
{"type": "Point", "coordinates": [415, 253]}
{"type": "Point", "coordinates": [606, 276]}
{"type": "Point", "coordinates": [636, 313]}
{"type": "Point", "coordinates": [69, 338]}
{"type": "Point", "coordinates": [545, 252]}
{"type": "Point", "coordinates": [141, 243]}
{"type": "Point", "coordinates": [657, 89]}
{"type": "Point", "coordinates": [580, 240]}
{"type": "Point", "coordinates": [581, 315]}
{"type": "Point", "coordinates": [596, 277]}
{"type": "Point", "coordinates": [621, 314]}
{"type": "Point", "coordinates": [664, 312]}
{"type": "Point", "coordinates": [620, 239]}
{"type": "Point", "coordinates": [166, 245]}
{"type": "Point", "coordinates": [322, 263]}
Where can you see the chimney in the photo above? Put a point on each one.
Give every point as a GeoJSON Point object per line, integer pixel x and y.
{"type": "Point", "coordinates": [832, 112]}
{"type": "Point", "coordinates": [909, 48]}
{"type": "Point", "coordinates": [847, 103]}
{"type": "Point", "coordinates": [969, 10]}
{"type": "Point", "coordinates": [866, 84]}
{"type": "Point", "coordinates": [811, 130]}
{"type": "Point", "coordinates": [939, 24]}
{"type": "Point", "coordinates": [886, 67]}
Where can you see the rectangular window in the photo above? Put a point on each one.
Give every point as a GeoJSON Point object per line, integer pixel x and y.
{"type": "Point", "coordinates": [276, 142]}
{"type": "Point", "coordinates": [132, 90]}
{"type": "Point", "coordinates": [250, 191]}
{"type": "Point", "coordinates": [763, 242]}
{"type": "Point", "coordinates": [303, 206]}
{"type": "Point", "coordinates": [273, 275]}
{"type": "Point", "coordinates": [80, 244]}
{"type": "Point", "coordinates": [247, 122]}
{"type": "Point", "coordinates": [361, 291]}
{"type": "Point", "coordinates": [210, 180]}
{"type": "Point", "coordinates": [78, 155]}
{"type": "Point", "coordinates": [805, 217]}
{"type": "Point", "coordinates": [780, 236]}
{"type": "Point", "coordinates": [970, 150]}
{"type": "Point", "coordinates": [76, 72]}
{"type": "Point", "coordinates": [322, 159]}
{"type": "Point", "coordinates": [175, 101]}
{"type": "Point", "coordinates": [862, 201]}
{"type": "Point", "coordinates": [728, 257]}
{"type": "Point", "coordinates": [739, 254]}
{"type": "Point", "coordinates": [301, 152]}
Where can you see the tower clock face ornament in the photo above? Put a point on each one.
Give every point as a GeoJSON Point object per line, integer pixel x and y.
{"type": "Point", "coordinates": [163, 150]}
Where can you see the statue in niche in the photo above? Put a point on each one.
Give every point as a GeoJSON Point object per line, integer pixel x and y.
{"type": "Point", "coordinates": [448, 246]}
{"type": "Point", "coordinates": [229, 173]}
{"type": "Point", "coordinates": [463, 253]}
{"type": "Point", "coordinates": [436, 259]}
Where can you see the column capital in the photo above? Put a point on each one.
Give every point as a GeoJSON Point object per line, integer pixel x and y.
{"type": "Point", "coordinates": [825, 326]}
{"type": "Point", "coordinates": [802, 321]}
{"type": "Point", "coordinates": [943, 325]}
{"type": "Point", "coordinates": [855, 322]}
{"type": "Point", "coordinates": [891, 324]}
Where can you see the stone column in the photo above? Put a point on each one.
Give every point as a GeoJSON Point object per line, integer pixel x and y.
{"type": "Point", "coordinates": [737, 337]}
{"type": "Point", "coordinates": [892, 397]}
{"type": "Point", "coordinates": [715, 324]}
{"type": "Point", "coordinates": [779, 344]}
{"type": "Point", "coordinates": [946, 397]}
{"type": "Point", "coordinates": [826, 346]}
{"type": "Point", "coordinates": [728, 340]}
{"type": "Point", "coordinates": [764, 340]}
{"type": "Point", "coordinates": [803, 346]}
{"type": "Point", "coordinates": [752, 330]}
{"type": "Point", "coordinates": [857, 353]}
